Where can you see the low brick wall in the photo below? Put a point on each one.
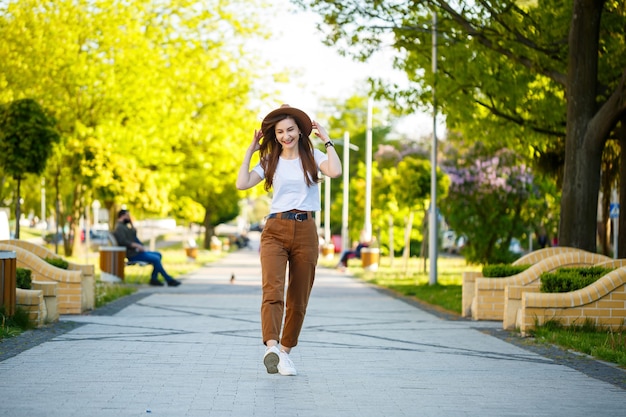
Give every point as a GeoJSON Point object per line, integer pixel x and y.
{"type": "Point", "coordinates": [467, 292]}
{"type": "Point", "coordinates": [469, 278]}
{"type": "Point", "coordinates": [488, 302]}
{"type": "Point", "coordinates": [541, 254]}
{"type": "Point", "coordinates": [513, 304]}
{"type": "Point", "coordinates": [603, 302]}
{"type": "Point", "coordinates": [88, 271]}
{"type": "Point", "coordinates": [513, 297]}
{"type": "Point", "coordinates": [49, 291]}
{"type": "Point", "coordinates": [71, 288]}
{"type": "Point", "coordinates": [33, 303]}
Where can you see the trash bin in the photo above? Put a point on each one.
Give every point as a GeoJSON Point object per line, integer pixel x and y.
{"type": "Point", "coordinates": [216, 244]}
{"type": "Point", "coordinates": [112, 262]}
{"type": "Point", "coordinates": [328, 251]}
{"type": "Point", "coordinates": [8, 285]}
{"type": "Point", "coordinates": [191, 249]}
{"type": "Point", "coordinates": [370, 258]}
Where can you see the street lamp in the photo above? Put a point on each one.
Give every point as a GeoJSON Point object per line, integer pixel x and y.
{"type": "Point", "coordinates": [345, 239]}
{"type": "Point", "coordinates": [368, 172]}
{"type": "Point", "coordinates": [346, 184]}
{"type": "Point", "coordinates": [327, 236]}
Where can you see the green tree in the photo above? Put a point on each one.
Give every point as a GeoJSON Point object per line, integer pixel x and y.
{"type": "Point", "coordinates": [545, 76]}
{"type": "Point", "coordinates": [135, 86]}
{"type": "Point", "coordinates": [488, 202]}
{"type": "Point", "coordinates": [27, 136]}
{"type": "Point", "coordinates": [350, 116]}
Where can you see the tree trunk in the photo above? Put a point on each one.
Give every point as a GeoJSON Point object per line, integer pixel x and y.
{"type": "Point", "coordinates": [406, 254]}
{"type": "Point", "coordinates": [72, 244]}
{"type": "Point", "coordinates": [18, 210]}
{"type": "Point", "coordinates": [621, 227]}
{"type": "Point", "coordinates": [583, 145]}
{"type": "Point", "coordinates": [208, 229]}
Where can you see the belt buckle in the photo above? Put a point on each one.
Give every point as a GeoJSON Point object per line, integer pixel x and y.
{"type": "Point", "coordinates": [300, 217]}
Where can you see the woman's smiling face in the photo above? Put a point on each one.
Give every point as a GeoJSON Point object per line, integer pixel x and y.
{"type": "Point", "coordinates": [287, 133]}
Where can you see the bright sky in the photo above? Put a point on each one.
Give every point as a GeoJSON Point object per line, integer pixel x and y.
{"type": "Point", "coordinates": [318, 71]}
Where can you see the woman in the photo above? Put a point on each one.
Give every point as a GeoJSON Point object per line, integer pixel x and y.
{"type": "Point", "coordinates": [289, 165]}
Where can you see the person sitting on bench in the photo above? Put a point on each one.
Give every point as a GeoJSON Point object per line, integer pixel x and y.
{"type": "Point", "coordinates": [126, 235]}
{"type": "Point", "coordinates": [354, 253]}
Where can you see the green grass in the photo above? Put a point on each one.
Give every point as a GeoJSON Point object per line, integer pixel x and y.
{"type": "Point", "coordinates": [447, 297]}
{"type": "Point", "coordinates": [14, 325]}
{"type": "Point", "coordinates": [412, 278]}
{"type": "Point", "coordinates": [107, 292]}
{"type": "Point", "coordinates": [602, 343]}
{"type": "Point", "coordinates": [29, 233]}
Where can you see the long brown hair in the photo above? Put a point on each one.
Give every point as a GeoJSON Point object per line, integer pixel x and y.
{"type": "Point", "coordinates": [270, 151]}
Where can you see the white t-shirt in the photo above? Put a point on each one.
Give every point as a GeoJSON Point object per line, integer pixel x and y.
{"type": "Point", "coordinates": [290, 190]}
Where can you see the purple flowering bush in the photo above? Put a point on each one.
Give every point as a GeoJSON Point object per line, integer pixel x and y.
{"type": "Point", "coordinates": [488, 202]}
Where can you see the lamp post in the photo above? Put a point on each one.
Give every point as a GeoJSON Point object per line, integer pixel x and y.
{"type": "Point", "coordinates": [368, 172]}
{"type": "Point", "coordinates": [346, 183]}
{"type": "Point", "coordinates": [345, 239]}
{"type": "Point", "coordinates": [433, 241]}
{"type": "Point", "coordinates": [328, 242]}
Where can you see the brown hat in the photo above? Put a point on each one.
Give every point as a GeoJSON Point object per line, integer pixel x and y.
{"type": "Point", "coordinates": [303, 121]}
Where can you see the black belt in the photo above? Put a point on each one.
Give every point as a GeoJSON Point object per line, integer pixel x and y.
{"type": "Point", "coordinates": [298, 216]}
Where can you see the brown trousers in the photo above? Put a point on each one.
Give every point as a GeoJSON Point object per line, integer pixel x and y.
{"type": "Point", "coordinates": [295, 243]}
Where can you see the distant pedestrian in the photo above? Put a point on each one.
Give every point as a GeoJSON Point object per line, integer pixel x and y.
{"type": "Point", "coordinates": [126, 235]}
{"type": "Point", "coordinates": [289, 165]}
{"type": "Point", "coordinates": [542, 238]}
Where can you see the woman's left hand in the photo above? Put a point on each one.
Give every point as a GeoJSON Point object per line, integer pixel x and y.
{"type": "Point", "coordinates": [320, 132]}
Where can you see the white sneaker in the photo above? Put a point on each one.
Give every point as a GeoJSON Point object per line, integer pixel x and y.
{"type": "Point", "coordinates": [285, 366]}
{"type": "Point", "coordinates": [271, 359]}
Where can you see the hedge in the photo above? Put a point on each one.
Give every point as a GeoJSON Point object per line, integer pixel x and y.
{"type": "Point", "coordinates": [571, 279]}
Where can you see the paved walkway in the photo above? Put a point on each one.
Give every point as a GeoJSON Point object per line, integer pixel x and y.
{"type": "Point", "coordinates": [195, 350]}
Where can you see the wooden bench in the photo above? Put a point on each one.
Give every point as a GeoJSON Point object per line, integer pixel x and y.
{"type": "Point", "coordinates": [113, 261]}
{"type": "Point", "coordinates": [113, 242]}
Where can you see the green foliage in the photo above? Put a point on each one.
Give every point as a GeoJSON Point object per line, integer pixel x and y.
{"type": "Point", "coordinates": [400, 179]}
{"type": "Point", "coordinates": [27, 135]}
{"type": "Point", "coordinates": [503, 270]}
{"type": "Point", "coordinates": [23, 278]}
{"type": "Point", "coordinates": [503, 72]}
{"type": "Point", "coordinates": [58, 262]}
{"type": "Point", "coordinates": [152, 100]}
{"type": "Point", "coordinates": [571, 279]}
{"type": "Point", "coordinates": [14, 325]}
